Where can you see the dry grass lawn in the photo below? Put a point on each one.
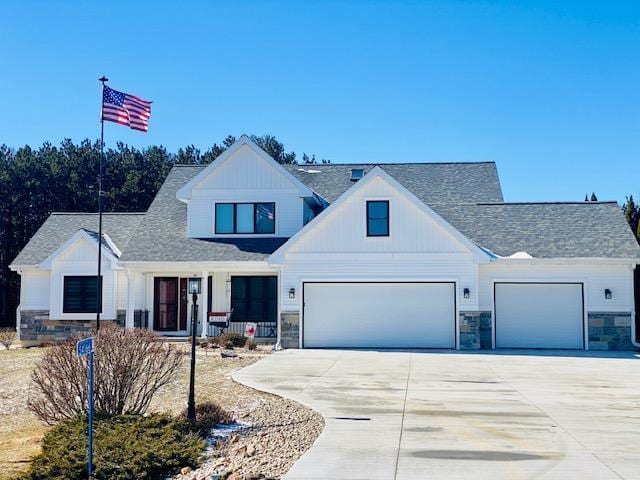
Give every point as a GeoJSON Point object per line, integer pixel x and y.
{"type": "Point", "coordinates": [21, 431]}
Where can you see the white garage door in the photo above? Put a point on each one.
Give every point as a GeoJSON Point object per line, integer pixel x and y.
{"type": "Point", "coordinates": [539, 315]}
{"type": "Point", "coordinates": [379, 315]}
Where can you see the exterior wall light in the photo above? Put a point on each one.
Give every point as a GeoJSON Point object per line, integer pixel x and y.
{"type": "Point", "coordinates": [292, 293]}
{"type": "Point", "coordinates": [466, 293]}
{"type": "Point", "coordinates": [195, 285]}
{"type": "Point", "coordinates": [607, 293]}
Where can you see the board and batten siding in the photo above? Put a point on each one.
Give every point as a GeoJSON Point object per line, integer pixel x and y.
{"type": "Point", "coordinates": [244, 177]}
{"type": "Point", "coordinates": [80, 259]}
{"type": "Point", "coordinates": [418, 248]}
{"type": "Point", "coordinates": [410, 228]}
{"type": "Point", "coordinates": [595, 276]}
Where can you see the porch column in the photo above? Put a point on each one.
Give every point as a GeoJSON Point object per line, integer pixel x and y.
{"type": "Point", "coordinates": [205, 303]}
{"type": "Point", "coordinates": [130, 298]}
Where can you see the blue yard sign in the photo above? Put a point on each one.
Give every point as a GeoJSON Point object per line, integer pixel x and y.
{"type": "Point", "coordinates": [84, 347]}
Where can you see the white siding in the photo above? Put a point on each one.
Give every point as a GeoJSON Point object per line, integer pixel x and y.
{"type": "Point", "coordinates": [338, 249]}
{"type": "Point", "coordinates": [411, 229]}
{"type": "Point", "coordinates": [245, 177]}
{"type": "Point", "coordinates": [201, 211]}
{"type": "Point", "coordinates": [595, 276]}
{"type": "Point", "coordinates": [299, 268]}
{"type": "Point", "coordinates": [121, 280]}
{"type": "Point", "coordinates": [34, 289]}
{"type": "Point", "coordinates": [139, 292]}
{"type": "Point", "coordinates": [80, 259]}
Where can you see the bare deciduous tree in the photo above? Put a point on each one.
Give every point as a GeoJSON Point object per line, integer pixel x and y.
{"type": "Point", "coordinates": [130, 367]}
{"type": "Point", "coordinates": [7, 337]}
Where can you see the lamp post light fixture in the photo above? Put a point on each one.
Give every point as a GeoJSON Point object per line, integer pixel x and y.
{"type": "Point", "coordinates": [194, 287]}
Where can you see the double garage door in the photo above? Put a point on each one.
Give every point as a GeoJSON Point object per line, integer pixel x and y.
{"type": "Point", "coordinates": [422, 315]}
{"type": "Point", "coordinates": [379, 315]}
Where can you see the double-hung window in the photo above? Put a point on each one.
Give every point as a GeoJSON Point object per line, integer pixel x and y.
{"type": "Point", "coordinates": [251, 218]}
{"type": "Point", "coordinates": [80, 294]}
{"type": "Point", "coordinates": [377, 218]}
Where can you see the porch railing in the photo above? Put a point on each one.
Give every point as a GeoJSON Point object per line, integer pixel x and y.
{"type": "Point", "coordinates": [141, 318]}
{"type": "Point", "coordinates": [264, 329]}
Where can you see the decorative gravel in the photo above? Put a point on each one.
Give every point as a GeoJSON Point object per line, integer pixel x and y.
{"type": "Point", "coordinates": [273, 434]}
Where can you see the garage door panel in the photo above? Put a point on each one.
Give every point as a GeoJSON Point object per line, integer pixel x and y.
{"type": "Point", "coordinates": [382, 315]}
{"type": "Point", "coordinates": [539, 315]}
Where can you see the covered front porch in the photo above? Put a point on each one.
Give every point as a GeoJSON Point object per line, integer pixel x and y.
{"type": "Point", "coordinates": [158, 298]}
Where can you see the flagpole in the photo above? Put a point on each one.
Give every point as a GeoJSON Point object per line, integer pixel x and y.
{"type": "Point", "coordinates": [102, 79]}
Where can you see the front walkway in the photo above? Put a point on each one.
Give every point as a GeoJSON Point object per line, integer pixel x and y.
{"type": "Point", "coordinates": [401, 415]}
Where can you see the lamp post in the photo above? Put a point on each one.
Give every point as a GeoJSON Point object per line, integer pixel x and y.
{"type": "Point", "coordinates": [194, 290]}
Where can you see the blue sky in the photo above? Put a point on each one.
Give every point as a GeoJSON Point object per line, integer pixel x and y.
{"type": "Point", "coordinates": [549, 90]}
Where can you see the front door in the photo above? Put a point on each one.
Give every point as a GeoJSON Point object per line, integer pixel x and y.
{"type": "Point", "coordinates": [165, 311]}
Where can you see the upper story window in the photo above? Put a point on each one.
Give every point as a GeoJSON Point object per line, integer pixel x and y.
{"type": "Point", "coordinates": [251, 218]}
{"type": "Point", "coordinates": [80, 294]}
{"type": "Point", "coordinates": [377, 218]}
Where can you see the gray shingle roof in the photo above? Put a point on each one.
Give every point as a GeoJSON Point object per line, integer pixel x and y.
{"type": "Point", "coordinates": [430, 182]}
{"type": "Point", "coordinates": [467, 195]}
{"type": "Point", "coordinates": [60, 227]}
{"type": "Point", "coordinates": [546, 230]}
{"type": "Point", "coordinates": [162, 234]}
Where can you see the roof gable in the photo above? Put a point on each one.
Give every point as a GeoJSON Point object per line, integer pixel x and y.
{"type": "Point", "coordinates": [60, 227]}
{"type": "Point", "coordinates": [407, 213]}
{"type": "Point", "coordinates": [80, 238]}
{"type": "Point", "coordinates": [229, 170]}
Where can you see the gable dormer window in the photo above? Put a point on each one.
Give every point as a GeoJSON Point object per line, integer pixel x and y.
{"type": "Point", "coordinates": [245, 218]}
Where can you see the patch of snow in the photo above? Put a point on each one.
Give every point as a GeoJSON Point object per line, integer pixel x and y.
{"type": "Point", "coordinates": [521, 255]}
{"type": "Point", "coordinates": [222, 431]}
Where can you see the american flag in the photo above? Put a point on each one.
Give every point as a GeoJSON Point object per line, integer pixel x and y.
{"type": "Point", "coordinates": [125, 109]}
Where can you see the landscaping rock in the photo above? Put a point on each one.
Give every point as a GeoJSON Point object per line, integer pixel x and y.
{"type": "Point", "coordinates": [278, 432]}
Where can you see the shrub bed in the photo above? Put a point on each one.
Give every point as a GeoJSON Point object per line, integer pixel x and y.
{"type": "Point", "coordinates": [230, 340]}
{"type": "Point", "coordinates": [125, 447]}
{"type": "Point", "coordinates": [208, 414]}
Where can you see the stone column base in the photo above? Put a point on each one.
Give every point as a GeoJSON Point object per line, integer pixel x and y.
{"type": "Point", "coordinates": [290, 329]}
{"type": "Point", "coordinates": [475, 330]}
{"type": "Point", "coordinates": [609, 331]}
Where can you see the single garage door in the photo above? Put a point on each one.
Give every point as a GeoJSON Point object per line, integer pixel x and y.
{"type": "Point", "coordinates": [539, 315]}
{"type": "Point", "coordinates": [379, 315]}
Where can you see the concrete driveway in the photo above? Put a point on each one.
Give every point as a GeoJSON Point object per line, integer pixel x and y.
{"type": "Point", "coordinates": [425, 415]}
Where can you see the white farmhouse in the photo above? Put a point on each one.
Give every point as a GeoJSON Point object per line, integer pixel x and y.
{"type": "Point", "coordinates": [412, 255]}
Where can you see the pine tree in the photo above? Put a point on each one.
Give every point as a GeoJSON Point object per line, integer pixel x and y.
{"type": "Point", "coordinates": [593, 197]}
{"type": "Point", "coordinates": [632, 215]}
{"type": "Point", "coordinates": [586, 197]}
